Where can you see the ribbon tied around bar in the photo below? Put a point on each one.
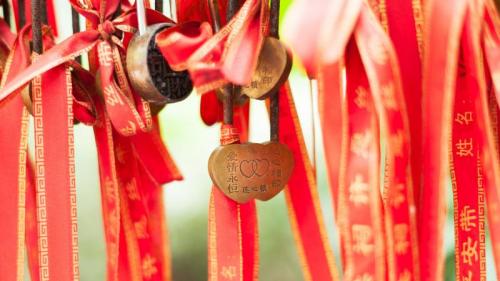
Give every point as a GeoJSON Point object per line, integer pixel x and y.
{"type": "Point", "coordinates": [129, 114]}
{"type": "Point", "coordinates": [213, 60]}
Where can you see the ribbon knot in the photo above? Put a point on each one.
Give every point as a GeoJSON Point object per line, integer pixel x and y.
{"type": "Point", "coordinates": [106, 29]}
{"type": "Point", "coordinates": [229, 134]}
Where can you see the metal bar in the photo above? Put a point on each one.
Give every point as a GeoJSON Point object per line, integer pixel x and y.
{"type": "Point", "coordinates": [274, 98]}
{"type": "Point", "coordinates": [36, 26]}
{"type": "Point", "coordinates": [159, 5]}
{"type": "Point", "coordinates": [6, 11]}
{"type": "Point", "coordinates": [141, 17]}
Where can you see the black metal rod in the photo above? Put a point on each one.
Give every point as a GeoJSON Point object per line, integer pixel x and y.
{"type": "Point", "coordinates": [75, 20]}
{"type": "Point", "coordinates": [6, 11]}
{"type": "Point", "coordinates": [274, 98]}
{"type": "Point", "coordinates": [36, 21]}
{"type": "Point", "coordinates": [213, 6]}
{"type": "Point", "coordinates": [22, 14]}
{"type": "Point", "coordinates": [43, 12]}
{"type": "Point", "coordinates": [159, 5]}
{"type": "Point", "coordinates": [232, 7]}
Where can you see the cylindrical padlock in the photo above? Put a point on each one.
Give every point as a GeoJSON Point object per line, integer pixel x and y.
{"type": "Point", "coordinates": [149, 73]}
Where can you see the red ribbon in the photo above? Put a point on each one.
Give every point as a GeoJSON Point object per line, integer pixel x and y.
{"type": "Point", "coordinates": [14, 152]}
{"type": "Point", "coordinates": [232, 231]}
{"type": "Point", "coordinates": [379, 61]}
{"type": "Point", "coordinates": [452, 25]}
{"type": "Point", "coordinates": [405, 27]}
{"type": "Point", "coordinates": [213, 60]}
{"type": "Point", "coordinates": [51, 14]}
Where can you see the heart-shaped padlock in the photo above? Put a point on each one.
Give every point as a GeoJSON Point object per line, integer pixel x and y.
{"type": "Point", "coordinates": [149, 73]}
{"type": "Point", "coordinates": [273, 67]}
{"type": "Point", "coordinates": [251, 170]}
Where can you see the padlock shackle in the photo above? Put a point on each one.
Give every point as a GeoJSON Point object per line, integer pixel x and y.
{"type": "Point", "coordinates": [213, 6]}
{"type": "Point", "coordinates": [141, 17]}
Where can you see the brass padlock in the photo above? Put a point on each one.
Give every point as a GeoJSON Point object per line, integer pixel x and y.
{"type": "Point", "coordinates": [273, 67]}
{"type": "Point", "coordinates": [149, 73]}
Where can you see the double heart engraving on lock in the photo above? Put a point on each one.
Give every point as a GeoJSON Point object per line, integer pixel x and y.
{"type": "Point", "coordinates": [251, 168]}
{"type": "Point", "coordinates": [251, 171]}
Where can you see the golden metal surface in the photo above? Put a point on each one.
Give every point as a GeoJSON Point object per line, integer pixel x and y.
{"type": "Point", "coordinates": [251, 171]}
{"type": "Point", "coordinates": [137, 64]}
{"type": "Point", "coordinates": [273, 68]}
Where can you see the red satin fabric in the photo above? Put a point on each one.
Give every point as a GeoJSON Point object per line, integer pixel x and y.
{"type": "Point", "coordinates": [302, 199]}
{"type": "Point", "coordinates": [213, 60]}
{"type": "Point", "coordinates": [13, 176]}
{"type": "Point", "coordinates": [456, 27]}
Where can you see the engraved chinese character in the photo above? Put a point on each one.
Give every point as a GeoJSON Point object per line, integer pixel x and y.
{"type": "Point", "coordinates": [246, 189]}
{"type": "Point", "coordinates": [361, 97]}
{"type": "Point", "coordinates": [360, 143]}
{"type": "Point", "coordinates": [229, 272]}
{"type": "Point", "coordinates": [469, 251]}
{"type": "Point", "coordinates": [232, 179]}
{"type": "Point", "coordinates": [231, 156]}
{"type": "Point", "coordinates": [148, 266]}
{"type": "Point", "coordinates": [358, 191]}
{"type": "Point", "coordinates": [362, 237]}
{"type": "Point", "coordinates": [467, 217]}
{"type": "Point", "coordinates": [464, 118]}
{"type": "Point", "coordinates": [276, 184]}
{"type": "Point", "coordinates": [263, 188]}
{"type": "Point", "coordinates": [401, 243]}
{"type": "Point", "coordinates": [231, 167]}
{"type": "Point", "coordinates": [464, 147]}
{"type": "Point", "coordinates": [232, 188]}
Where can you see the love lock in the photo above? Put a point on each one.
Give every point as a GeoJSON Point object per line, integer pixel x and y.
{"type": "Point", "coordinates": [149, 73]}
{"type": "Point", "coordinates": [252, 170]}
{"type": "Point", "coordinates": [273, 67]}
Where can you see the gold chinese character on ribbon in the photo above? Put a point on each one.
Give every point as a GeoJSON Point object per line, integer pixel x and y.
{"type": "Point", "coordinates": [361, 99]}
{"type": "Point", "coordinates": [389, 96]}
{"type": "Point", "coordinates": [396, 196]}
{"type": "Point", "coordinates": [363, 277]}
{"type": "Point", "coordinates": [469, 251]}
{"type": "Point", "coordinates": [358, 191]}
{"type": "Point", "coordinates": [112, 97]}
{"type": "Point", "coordinates": [464, 118]}
{"type": "Point", "coordinates": [467, 218]}
{"type": "Point", "coordinates": [396, 142]}
{"type": "Point", "coordinates": [405, 276]}
{"type": "Point", "coordinates": [149, 266]}
{"type": "Point", "coordinates": [129, 130]}
{"type": "Point", "coordinates": [360, 143]}
{"type": "Point", "coordinates": [141, 228]}
{"type": "Point", "coordinates": [467, 277]}
{"type": "Point", "coordinates": [377, 51]}
{"type": "Point", "coordinates": [362, 236]}
{"type": "Point", "coordinates": [401, 243]}
{"type": "Point", "coordinates": [464, 147]}
{"type": "Point", "coordinates": [132, 191]}
{"type": "Point", "coordinates": [229, 272]}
